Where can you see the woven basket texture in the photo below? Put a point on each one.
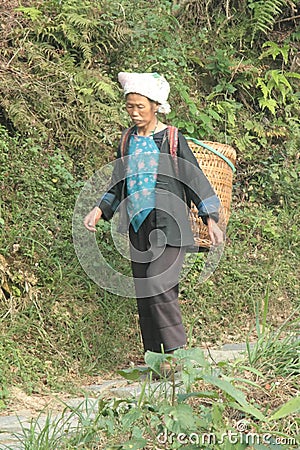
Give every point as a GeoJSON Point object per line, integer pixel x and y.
{"type": "Point", "coordinates": [220, 176]}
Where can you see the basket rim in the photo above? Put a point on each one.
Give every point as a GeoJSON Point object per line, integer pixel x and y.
{"type": "Point", "coordinates": [213, 150]}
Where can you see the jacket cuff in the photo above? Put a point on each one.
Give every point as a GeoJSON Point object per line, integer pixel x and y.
{"type": "Point", "coordinates": [209, 208]}
{"type": "Point", "coordinates": [108, 205]}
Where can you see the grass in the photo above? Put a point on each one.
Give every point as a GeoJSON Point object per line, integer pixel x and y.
{"type": "Point", "coordinates": [65, 327]}
{"type": "Point", "coordinates": [205, 405]}
{"type": "Point", "coordinates": [58, 329]}
{"type": "Point", "coordinates": [277, 351]}
{"type": "Point", "coordinates": [252, 266]}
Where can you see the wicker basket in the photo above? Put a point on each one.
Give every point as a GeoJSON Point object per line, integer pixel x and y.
{"type": "Point", "coordinates": [219, 172]}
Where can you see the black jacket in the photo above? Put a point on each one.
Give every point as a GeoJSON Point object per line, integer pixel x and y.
{"type": "Point", "coordinates": [179, 183]}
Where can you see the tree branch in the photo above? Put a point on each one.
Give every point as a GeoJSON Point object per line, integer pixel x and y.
{"type": "Point", "coordinates": [288, 19]}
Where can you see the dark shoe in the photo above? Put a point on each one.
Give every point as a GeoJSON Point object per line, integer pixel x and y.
{"type": "Point", "coordinates": [167, 371]}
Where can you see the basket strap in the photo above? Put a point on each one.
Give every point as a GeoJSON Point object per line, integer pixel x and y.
{"type": "Point", "coordinates": [173, 143]}
{"type": "Point", "coordinates": [172, 138]}
{"type": "Point", "coordinates": [124, 140]}
{"type": "Point", "coordinates": [213, 150]}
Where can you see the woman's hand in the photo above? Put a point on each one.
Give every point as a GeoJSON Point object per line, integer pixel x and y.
{"type": "Point", "coordinates": [216, 235]}
{"type": "Point", "coordinates": [92, 219]}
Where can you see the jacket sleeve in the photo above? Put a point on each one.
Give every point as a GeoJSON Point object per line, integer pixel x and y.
{"type": "Point", "coordinates": [197, 187]}
{"type": "Point", "coordinates": [110, 201]}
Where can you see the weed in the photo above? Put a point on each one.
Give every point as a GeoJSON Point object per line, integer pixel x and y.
{"type": "Point", "coordinates": [204, 405]}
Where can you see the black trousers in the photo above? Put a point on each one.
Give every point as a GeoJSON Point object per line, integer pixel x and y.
{"type": "Point", "coordinates": [156, 273]}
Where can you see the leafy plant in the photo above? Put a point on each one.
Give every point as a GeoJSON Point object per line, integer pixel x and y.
{"type": "Point", "coordinates": [275, 50]}
{"type": "Point", "coordinates": [194, 408]}
{"type": "Point", "coordinates": [264, 14]}
{"type": "Point", "coordinates": [275, 88]}
{"type": "Point", "coordinates": [64, 47]}
{"type": "Point", "coordinates": [275, 352]}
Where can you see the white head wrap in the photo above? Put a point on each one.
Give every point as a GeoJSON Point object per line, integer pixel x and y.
{"type": "Point", "coordinates": [150, 85]}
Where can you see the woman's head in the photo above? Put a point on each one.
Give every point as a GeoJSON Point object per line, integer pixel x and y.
{"type": "Point", "coordinates": [150, 85]}
{"type": "Point", "coordinates": [141, 109]}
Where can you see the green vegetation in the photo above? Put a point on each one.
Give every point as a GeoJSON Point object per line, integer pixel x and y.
{"type": "Point", "coordinates": [234, 74]}
{"type": "Point", "coordinates": [216, 407]}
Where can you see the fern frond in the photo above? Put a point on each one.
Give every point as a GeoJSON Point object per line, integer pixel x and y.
{"type": "Point", "coordinates": [82, 22]}
{"type": "Point", "coordinates": [264, 14]}
{"type": "Point", "coordinates": [48, 51]}
{"type": "Point", "coordinates": [120, 32]}
{"type": "Point", "coordinates": [50, 34]}
{"type": "Point", "coordinates": [101, 87]}
{"type": "Point", "coordinates": [86, 50]}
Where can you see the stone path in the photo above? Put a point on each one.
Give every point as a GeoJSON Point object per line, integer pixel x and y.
{"type": "Point", "coordinates": [12, 426]}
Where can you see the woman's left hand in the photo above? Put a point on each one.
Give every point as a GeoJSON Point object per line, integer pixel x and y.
{"type": "Point", "coordinates": [216, 235]}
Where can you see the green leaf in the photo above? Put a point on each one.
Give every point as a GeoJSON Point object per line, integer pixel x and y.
{"type": "Point", "coordinates": [285, 53]}
{"type": "Point", "coordinates": [264, 89]}
{"type": "Point", "coordinates": [293, 75]}
{"type": "Point", "coordinates": [200, 394]}
{"type": "Point", "coordinates": [154, 360]}
{"type": "Point", "coordinates": [285, 82]}
{"type": "Point", "coordinates": [133, 374]}
{"type": "Point", "coordinates": [179, 418]}
{"type": "Point", "coordinates": [31, 12]}
{"type": "Point", "coordinates": [245, 381]}
{"type": "Point", "coordinates": [217, 415]}
{"type": "Point", "coordinates": [249, 409]}
{"type": "Point", "coordinates": [252, 370]}
{"type": "Point", "coordinates": [268, 103]}
{"type": "Point", "coordinates": [290, 407]}
{"type": "Point", "coordinates": [194, 355]}
{"type": "Point", "coordinates": [214, 114]}
{"type": "Point", "coordinates": [227, 387]}
{"type": "Point", "coordinates": [234, 393]}
{"type": "Point", "coordinates": [134, 444]}
{"type": "Point", "coordinates": [130, 418]}
{"type": "Point", "coordinates": [274, 50]}
{"type": "Point", "coordinates": [204, 118]}
{"type": "Point", "coordinates": [190, 128]}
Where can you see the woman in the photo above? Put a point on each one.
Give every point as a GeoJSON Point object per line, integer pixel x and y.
{"type": "Point", "coordinates": [152, 196]}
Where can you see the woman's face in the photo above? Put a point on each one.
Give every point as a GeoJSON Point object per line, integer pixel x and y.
{"type": "Point", "coordinates": [141, 110]}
